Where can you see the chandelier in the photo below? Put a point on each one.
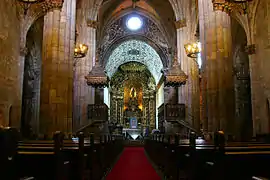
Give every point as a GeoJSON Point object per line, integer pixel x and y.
{"type": "Point", "coordinates": [80, 51]}
{"type": "Point", "coordinates": [193, 49]}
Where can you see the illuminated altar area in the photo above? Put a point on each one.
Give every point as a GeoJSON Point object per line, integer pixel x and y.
{"type": "Point", "coordinates": [132, 97]}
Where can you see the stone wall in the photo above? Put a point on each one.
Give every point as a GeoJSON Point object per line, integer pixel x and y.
{"type": "Point", "coordinates": [260, 66]}
{"type": "Point", "coordinates": [10, 66]}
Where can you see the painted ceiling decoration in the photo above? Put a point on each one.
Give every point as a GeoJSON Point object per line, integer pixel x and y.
{"type": "Point", "coordinates": [117, 31]}
{"type": "Point", "coordinates": [135, 51]}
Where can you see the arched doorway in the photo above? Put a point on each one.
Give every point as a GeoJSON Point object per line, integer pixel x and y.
{"type": "Point", "coordinates": [31, 80]}
{"type": "Point", "coordinates": [134, 68]}
{"type": "Point", "coordinates": [243, 109]}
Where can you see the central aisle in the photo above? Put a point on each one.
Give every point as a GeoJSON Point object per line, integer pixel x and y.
{"type": "Point", "coordinates": [133, 165]}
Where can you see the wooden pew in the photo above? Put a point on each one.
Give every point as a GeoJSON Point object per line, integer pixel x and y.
{"type": "Point", "coordinates": [208, 161]}
{"type": "Point", "coordinates": [57, 159]}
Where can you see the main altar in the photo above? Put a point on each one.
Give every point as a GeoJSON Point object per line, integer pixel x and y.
{"type": "Point", "coordinates": [133, 99]}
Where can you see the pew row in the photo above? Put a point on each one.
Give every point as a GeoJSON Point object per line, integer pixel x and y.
{"type": "Point", "coordinates": [208, 161]}
{"type": "Point", "coordinates": [78, 159]}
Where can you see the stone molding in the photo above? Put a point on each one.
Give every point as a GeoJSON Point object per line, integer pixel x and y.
{"type": "Point", "coordinates": [228, 7]}
{"type": "Point", "coordinates": [92, 23]}
{"type": "Point", "coordinates": [23, 51]}
{"type": "Point", "coordinates": [180, 23]}
{"type": "Point", "coordinates": [50, 5]}
{"type": "Point", "coordinates": [251, 49]}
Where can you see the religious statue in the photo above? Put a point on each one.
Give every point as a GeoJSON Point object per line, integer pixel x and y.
{"type": "Point", "coordinates": [132, 92]}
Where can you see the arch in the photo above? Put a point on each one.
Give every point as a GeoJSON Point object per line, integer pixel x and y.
{"type": "Point", "coordinates": [141, 12]}
{"type": "Point", "coordinates": [137, 51]}
{"type": "Point", "coordinates": [115, 44]}
{"type": "Point", "coordinates": [98, 3]}
{"type": "Point", "coordinates": [35, 12]}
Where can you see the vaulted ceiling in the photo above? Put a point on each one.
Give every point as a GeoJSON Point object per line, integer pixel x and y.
{"type": "Point", "coordinates": [160, 11]}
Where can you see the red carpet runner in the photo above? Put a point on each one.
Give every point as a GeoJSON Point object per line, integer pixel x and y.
{"type": "Point", "coordinates": [133, 165]}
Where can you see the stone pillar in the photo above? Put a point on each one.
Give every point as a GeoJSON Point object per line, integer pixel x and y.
{"type": "Point", "coordinates": [188, 93]}
{"type": "Point", "coordinates": [215, 35]}
{"type": "Point", "coordinates": [86, 34]}
{"type": "Point", "coordinates": [152, 109]}
{"type": "Point", "coordinates": [57, 69]}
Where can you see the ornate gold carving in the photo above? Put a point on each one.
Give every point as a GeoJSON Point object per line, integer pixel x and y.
{"type": "Point", "coordinates": [96, 81]}
{"type": "Point", "coordinates": [228, 7]}
{"type": "Point", "coordinates": [97, 77]}
{"type": "Point", "coordinates": [174, 76]}
{"type": "Point", "coordinates": [92, 23]}
{"type": "Point", "coordinates": [180, 23]}
{"type": "Point", "coordinates": [50, 5]}
{"type": "Point", "coordinates": [251, 49]}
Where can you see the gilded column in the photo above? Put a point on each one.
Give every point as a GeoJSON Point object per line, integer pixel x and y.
{"type": "Point", "coordinates": [215, 35]}
{"type": "Point", "coordinates": [86, 34]}
{"type": "Point", "coordinates": [57, 69]}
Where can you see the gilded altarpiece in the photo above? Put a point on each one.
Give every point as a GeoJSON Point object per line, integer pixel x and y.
{"type": "Point", "coordinates": [132, 96]}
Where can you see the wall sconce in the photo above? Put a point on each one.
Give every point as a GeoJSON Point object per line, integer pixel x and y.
{"type": "Point", "coordinates": [80, 51]}
{"type": "Point", "coordinates": [193, 49]}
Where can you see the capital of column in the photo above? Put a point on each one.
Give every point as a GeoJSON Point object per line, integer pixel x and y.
{"type": "Point", "coordinates": [250, 49]}
{"type": "Point", "coordinates": [50, 5]}
{"type": "Point", "coordinates": [180, 23]}
{"type": "Point", "coordinates": [23, 51]}
{"type": "Point", "coordinates": [92, 23]}
{"type": "Point", "coordinates": [228, 7]}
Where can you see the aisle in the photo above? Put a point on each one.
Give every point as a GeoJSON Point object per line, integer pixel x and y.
{"type": "Point", "coordinates": [133, 165]}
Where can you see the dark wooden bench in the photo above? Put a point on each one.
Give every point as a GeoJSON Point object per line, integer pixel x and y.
{"type": "Point", "coordinates": [208, 161]}
{"type": "Point", "coordinates": [58, 158]}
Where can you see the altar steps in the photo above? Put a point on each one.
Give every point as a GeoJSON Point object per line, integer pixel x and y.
{"type": "Point", "coordinates": [134, 143]}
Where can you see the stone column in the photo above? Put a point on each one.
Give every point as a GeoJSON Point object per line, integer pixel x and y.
{"type": "Point", "coordinates": [188, 93]}
{"type": "Point", "coordinates": [57, 69]}
{"type": "Point", "coordinates": [86, 34]}
{"type": "Point", "coordinates": [152, 107]}
{"type": "Point", "coordinates": [215, 35]}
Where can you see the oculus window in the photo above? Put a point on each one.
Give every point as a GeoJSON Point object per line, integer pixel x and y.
{"type": "Point", "coordinates": [134, 23]}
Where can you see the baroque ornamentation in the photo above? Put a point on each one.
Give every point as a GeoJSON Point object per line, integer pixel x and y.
{"type": "Point", "coordinates": [145, 55]}
{"type": "Point", "coordinates": [92, 23]}
{"type": "Point", "coordinates": [174, 76]}
{"type": "Point", "coordinates": [118, 30]}
{"type": "Point", "coordinates": [180, 23]}
{"type": "Point", "coordinates": [251, 49]}
{"type": "Point", "coordinates": [229, 7]}
{"type": "Point", "coordinates": [49, 5]}
{"type": "Point", "coordinates": [97, 77]}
